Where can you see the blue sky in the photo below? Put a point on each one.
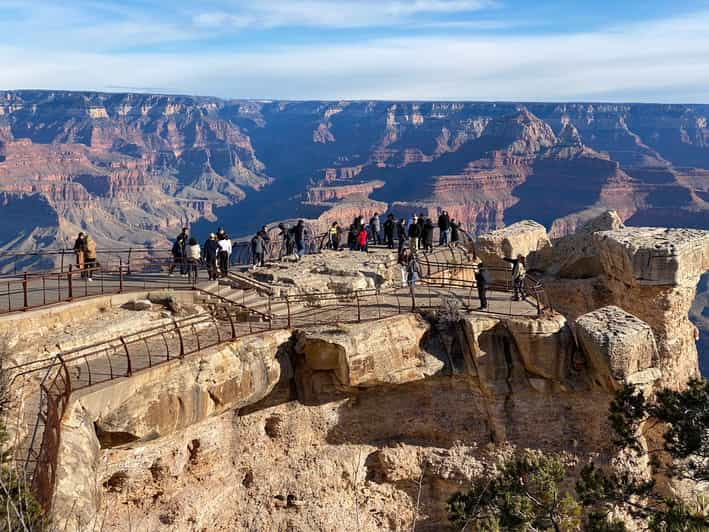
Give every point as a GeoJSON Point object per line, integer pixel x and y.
{"type": "Point", "coordinates": [600, 50]}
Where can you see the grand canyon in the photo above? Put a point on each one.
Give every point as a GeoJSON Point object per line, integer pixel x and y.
{"type": "Point", "coordinates": [133, 168]}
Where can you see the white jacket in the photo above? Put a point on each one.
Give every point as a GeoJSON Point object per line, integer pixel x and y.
{"type": "Point", "coordinates": [225, 245]}
{"type": "Point", "coordinates": [193, 252]}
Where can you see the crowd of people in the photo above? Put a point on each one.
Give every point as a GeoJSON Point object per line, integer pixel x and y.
{"type": "Point", "coordinates": [408, 235]}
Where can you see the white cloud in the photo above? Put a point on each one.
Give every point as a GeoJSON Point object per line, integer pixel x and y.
{"type": "Point", "coordinates": [662, 61]}
{"type": "Point", "coordinates": [324, 13]}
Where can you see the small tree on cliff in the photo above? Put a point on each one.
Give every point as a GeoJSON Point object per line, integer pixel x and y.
{"type": "Point", "coordinates": [526, 494]}
{"type": "Point", "coordinates": [684, 455]}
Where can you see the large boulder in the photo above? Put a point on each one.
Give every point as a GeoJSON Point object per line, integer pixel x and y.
{"type": "Point", "coordinates": [653, 256]}
{"type": "Point", "coordinates": [387, 351]}
{"type": "Point", "coordinates": [521, 238]}
{"type": "Point", "coordinates": [620, 348]}
{"type": "Point", "coordinates": [545, 345]}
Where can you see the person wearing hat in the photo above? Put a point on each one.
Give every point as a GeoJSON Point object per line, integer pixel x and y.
{"type": "Point", "coordinates": [211, 253]}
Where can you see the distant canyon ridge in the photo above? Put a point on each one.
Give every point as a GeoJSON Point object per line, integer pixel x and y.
{"type": "Point", "coordinates": [133, 168]}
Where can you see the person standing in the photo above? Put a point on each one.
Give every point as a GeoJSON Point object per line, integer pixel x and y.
{"type": "Point", "coordinates": [224, 252]}
{"type": "Point", "coordinates": [482, 280]}
{"type": "Point", "coordinates": [258, 248]}
{"type": "Point", "coordinates": [80, 252]}
{"type": "Point", "coordinates": [193, 254]}
{"type": "Point", "coordinates": [401, 234]}
{"type": "Point", "coordinates": [413, 274]}
{"type": "Point", "coordinates": [90, 257]}
{"type": "Point", "coordinates": [444, 226]}
{"type": "Point", "coordinates": [299, 238]}
{"type": "Point", "coordinates": [178, 252]}
{"type": "Point", "coordinates": [362, 239]}
{"type": "Point", "coordinates": [414, 235]}
{"type": "Point", "coordinates": [428, 235]}
{"type": "Point", "coordinates": [420, 222]}
{"type": "Point", "coordinates": [455, 232]}
{"type": "Point", "coordinates": [389, 228]}
{"type": "Point", "coordinates": [518, 275]}
{"type": "Point", "coordinates": [333, 235]}
{"type": "Point", "coordinates": [375, 226]}
{"type": "Point", "coordinates": [211, 256]}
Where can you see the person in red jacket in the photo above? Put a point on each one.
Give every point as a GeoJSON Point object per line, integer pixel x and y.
{"type": "Point", "coordinates": [362, 240]}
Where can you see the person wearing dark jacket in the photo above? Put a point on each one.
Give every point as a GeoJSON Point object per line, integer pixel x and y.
{"type": "Point", "coordinates": [444, 226]}
{"type": "Point", "coordinates": [299, 238]}
{"type": "Point", "coordinates": [210, 252]}
{"type": "Point", "coordinates": [258, 249]}
{"type": "Point", "coordinates": [178, 252]}
{"type": "Point", "coordinates": [518, 275]}
{"type": "Point", "coordinates": [401, 234]}
{"type": "Point", "coordinates": [455, 232]}
{"type": "Point", "coordinates": [427, 236]}
{"type": "Point", "coordinates": [482, 281]}
{"type": "Point", "coordinates": [389, 228]}
{"type": "Point", "coordinates": [421, 221]}
{"type": "Point", "coordinates": [80, 252]}
{"type": "Point", "coordinates": [286, 235]}
{"type": "Point", "coordinates": [414, 236]}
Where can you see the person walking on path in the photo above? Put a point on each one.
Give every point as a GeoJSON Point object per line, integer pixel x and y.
{"type": "Point", "coordinates": [455, 232]}
{"type": "Point", "coordinates": [333, 235]}
{"type": "Point", "coordinates": [80, 252]}
{"type": "Point", "coordinates": [518, 275]}
{"type": "Point", "coordinates": [211, 256]}
{"type": "Point", "coordinates": [224, 252]}
{"type": "Point", "coordinates": [427, 236]}
{"type": "Point", "coordinates": [401, 234]}
{"type": "Point", "coordinates": [414, 234]}
{"type": "Point", "coordinates": [375, 225]}
{"type": "Point", "coordinates": [178, 252]}
{"type": "Point", "coordinates": [482, 280]}
{"type": "Point", "coordinates": [90, 257]}
{"type": "Point", "coordinates": [193, 254]}
{"type": "Point", "coordinates": [444, 226]}
{"type": "Point", "coordinates": [389, 228]}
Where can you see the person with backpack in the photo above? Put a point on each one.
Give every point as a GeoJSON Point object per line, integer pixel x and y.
{"type": "Point", "coordinates": [482, 280]}
{"type": "Point", "coordinates": [211, 256]}
{"type": "Point", "coordinates": [444, 226]}
{"type": "Point", "coordinates": [224, 252]}
{"type": "Point", "coordinates": [518, 276]}
{"type": "Point", "coordinates": [193, 255]}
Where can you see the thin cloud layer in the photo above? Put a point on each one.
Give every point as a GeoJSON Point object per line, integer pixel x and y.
{"type": "Point", "coordinates": [661, 60]}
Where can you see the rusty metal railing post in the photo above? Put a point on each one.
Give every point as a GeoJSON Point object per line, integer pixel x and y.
{"type": "Point", "coordinates": [24, 292]}
{"type": "Point", "coordinates": [120, 275]}
{"type": "Point", "coordinates": [61, 264]}
{"type": "Point", "coordinates": [129, 365]}
{"type": "Point", "coordinates": [129, 253]}
{"type": "Point", "coordinates": [288, 311]}
{"type": "Point", "coordinates": [359, 308]}
{"type": "Point", "coordinates": [70, 283]}
{"type": "Point", "coordinates": [179, 337]}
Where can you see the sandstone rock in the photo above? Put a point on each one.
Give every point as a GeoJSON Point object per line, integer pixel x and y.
{"type": "Point", "coordinates": [385, 352]}
{"type": "Point", "coordinates": [617, 344]}
{"type": "Point", "coordinates": [142, 304]}
{"type": "Point", "coordinates": [520, 238]}
{"type": "Point", "coordinates": [654, 256]}
{"type": "Point", "coordinates": [545, 345]}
